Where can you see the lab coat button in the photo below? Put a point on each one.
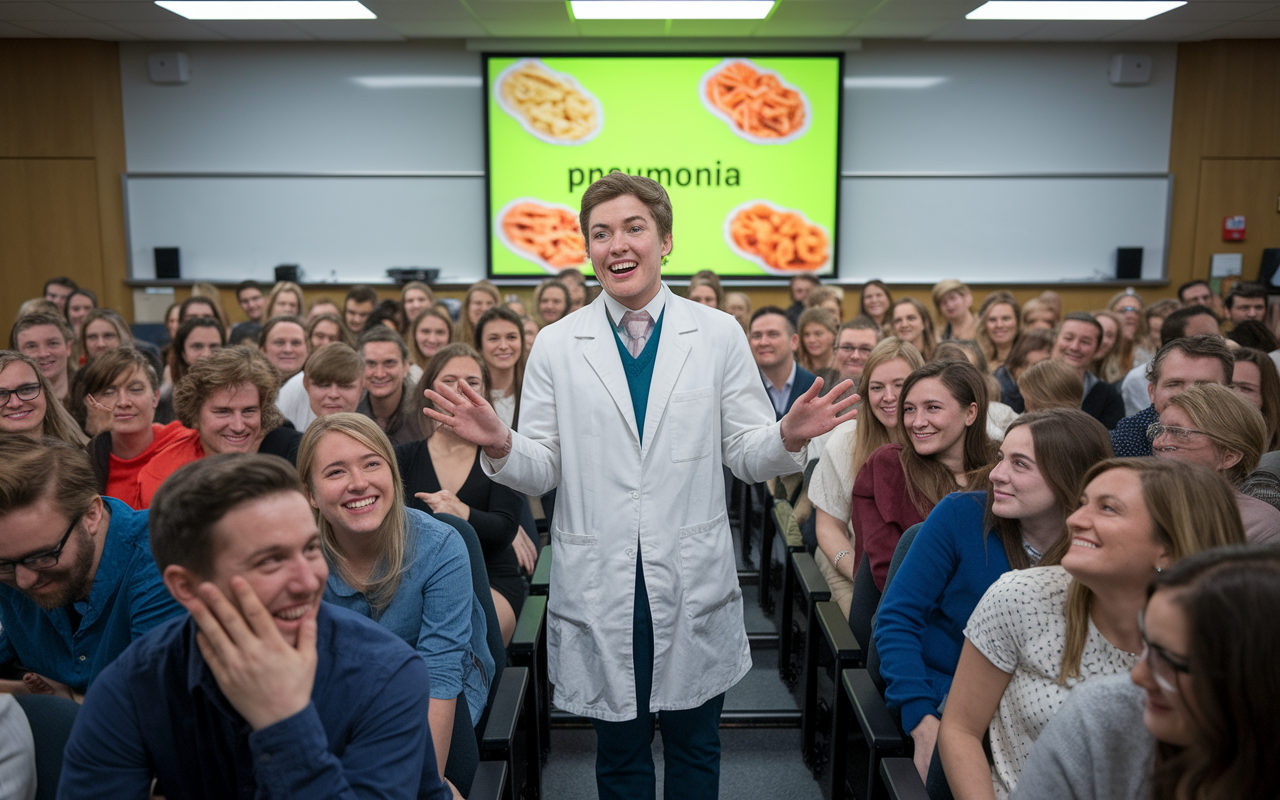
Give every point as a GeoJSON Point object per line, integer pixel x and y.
{"type": "Point", "coordinates": [631, 553]}
{"type": "Point", "coordinates": [635, 495]}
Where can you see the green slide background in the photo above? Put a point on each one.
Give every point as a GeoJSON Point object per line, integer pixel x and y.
{"type": "Point", "coordinates": [653, 117]}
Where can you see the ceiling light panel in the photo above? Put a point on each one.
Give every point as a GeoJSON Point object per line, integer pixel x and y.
{"type": "Point", "coordinates": [671, 9]}
{"type": "Point", "coordinates": [267, 9]}
{"type": "Point", "coordinates": [1073, 9]}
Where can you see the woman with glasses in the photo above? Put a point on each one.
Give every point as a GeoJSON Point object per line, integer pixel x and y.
{"type": "Point", "coordinates": [1219, 428]}
{"type": "Point", "coordinates": [1038, 633]}
{"type": "Point", "coordinates": [24, 403]}
{"type": "Point", "coordinates": [1196, 718]}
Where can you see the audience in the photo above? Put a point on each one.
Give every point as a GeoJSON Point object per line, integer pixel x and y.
{"type": "Point", "coordinates": [1177, 366]}
{"type": "Point", "coordinates": [284, 343]}
{"type": "Point", "coordinates": [77, 583]}
{"type": "Point", "coordinates": [1050, 384]}
{"type": "Point", "coordinates": [46, 339]}
{"type": "Point", "coordinates": [1114, 358]}
{"type": "Point", "coordinates": [1076, 345]}
{"type": "Point", "coordinates": [499, 338]}
{"type": "Point", "coordinates": [1031, 347]}
{"type": "Point", "coordinates": [799, 286]}
{"type": "Point", "coordinates": [103, 329]}
{"type": "Point", "coordinates": [919, 629]}
{"type": "Point", "coordinates": [481, 297]}
{"type": "Point", "coordinates": [1199, 293]}
{"type": "Point", "coordinates": [57, 290]}
{"type": "Point", "coordinates": [1246, 302]}
{"type": "Point", "coordinates": [1038, 633]}
{"type": "Point", "coordinates": [577, 283]}
{"type": "Point", "coordinates": [334, 378]}
{"type": "Point", "coordinates": [1254, 334]}
{"type": "Point", "coordinates": [26, 408]}
{"type": "Point", "coordinates": [817, 350]}
{"type": "Point", "coordinates": [912, 324]}
{"type": "Point", "coordinates": [1218, 428]}
{"type": "Point", "coordinates": [432, 329]}
{"type": "Point", "coordinates": [875, 302]}
{"type": "Point", "coordinates": [998, 327]}
{"type": "Point", "coordinates": [195, 339]}
{"type": "Point", "coordinates": [1196, 717]}
{"type": "Point", "coordinates": [284, 300]}
{"type": "Point", "coordinates": [325, 305]}
{"type": "Point", "coordinates": [943, 417]}
{"type": "Point", "coordinates": [357, 306]}
{"type": "Point", "coordinates": [854, 343]}
{"type": "Point", "coordinates": [706, 290]}
{"type": "Point", "coordinates": [253, 304]}
{"type": "Point", "coordinates": [773, 345]}
{"type": "Point", "coordinates": [1128, 305]}
{"type": "Point", "coordinates": [404, 569]}
{"type": "Point", "coordinates": [325, 328]}
{"type": "Point", "coordinates": [999, 415]}
{"type": "Point", "coordinates": [416, 297]}
{"type": "Point", "coordinates": [1153, 317]}
{"type": "Point", "coordinates": [954, 302]}
{"type": "Point", "coordinates": [1255, 376]}
{"type": "Point", "coordinates": [843, 456]}
{"type": "Point", "coordinates": [389, 314]}
{"type": "Point", "coordinates": [550, 301]}
{"type": "Point", "coordinates": [79, 304]}
{"type": "Point", "coordinates": [829, 297]}
{"type": "Point", "coordinates": [1038, 315]}
{"type": "Point", "coordinates": [1197, 320]}
{"type": "Point", "coordinates": [388, 389]}
{"type": "Point", "coordinates": [739, 305]}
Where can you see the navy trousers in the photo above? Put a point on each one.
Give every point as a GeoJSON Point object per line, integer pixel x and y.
{"type": "Point", "coordinates": [690, 738]}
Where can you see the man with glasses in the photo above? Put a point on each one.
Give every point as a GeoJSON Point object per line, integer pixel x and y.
{"type": "Point", "coordinates": [77, 581]}
{"type": "Point", "coordinates": [1177, 366]}
{"type": "Point", "coordinates": [857, 338]}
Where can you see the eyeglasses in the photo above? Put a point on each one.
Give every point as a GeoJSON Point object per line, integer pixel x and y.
{"type": "Point", "coordinates": [46, 560]}
{"type": "Point", "coordinates": [1164, 666]}
{"type": "Point", "coordinates": [1179, 434]}
{"type": "Point", "coordinates": [849, 349]}
{"type": "Point", "coordinates": [27, 391]}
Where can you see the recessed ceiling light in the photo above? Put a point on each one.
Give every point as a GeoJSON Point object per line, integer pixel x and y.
{"type": "Point", "coordinates": [268, 9]}
{"type": "Point", "coordinates": [1073, 9]}
{"type": "Point", "coordinates": [671, 9]}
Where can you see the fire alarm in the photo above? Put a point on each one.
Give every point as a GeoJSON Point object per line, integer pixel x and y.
{"type": "Point", "coordinates": [168, 68]}
{"type": "Point", "coordinates": [1233, 228]}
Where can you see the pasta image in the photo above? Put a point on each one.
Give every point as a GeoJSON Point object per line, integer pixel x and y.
{"type": "Point", "coordinates": [548, 233]}
{"type": "Point", "coordinates": [755, 102]}
{"type": "Point", "coordinates": [548, 104]}
{"type": "Point", "coordinates": [783, 240]}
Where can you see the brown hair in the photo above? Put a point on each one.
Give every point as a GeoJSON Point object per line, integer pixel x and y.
{"type": "Point", "coordinates": [984, 338]}
{"type": "Point", "coordinates": [280, 288]}
{"type": "Point", "coordinates": [927, 336]}
{"type": "Point", "coordinates": [36, 319]}
{"type": "Point", "coordinates": [58, 421]}
{"type": "Point", "coordinates": [230, 366]}
{"type": "Point", "coordinates": [1202, 346]}
{"type": "Point", "coordinates": [423, 424]}
{"type": "Point", "coordinates": [178, 365]}
{"type": "Point", "coordinates": [103, 370]}
{"type": "Point", "coordinates": [506, 315]}
{"type": "Point", "coordinates": [617, 184]}
{"type": "Point", "coordinates": [815, 316]}
{"type": "Point", "coordinates": [344, 333]}
{"type": "Point", "coordinates": [945, 287]}
{"type": "Point", "coordinates": [1050, 384]}
{"type": "Point", "coordinates": [928, 479]}
{"type": "Point", "coordinates": [549, 283]}
{"type": "Point", "coordinates": [439, 313]}
{"type": "Point", "coordinates": [714, 285]}
{"type": "Point", "coordinates": [48, 468]}
{"type": "Point", "coordinates": [463, 331]}
{"type": "Point", "coordinates": [871, 434]}
{"type": "Point", "coordinates": [862, 301]}
{"type": "Point", "coordinates": [1230, 421]}
{"type": "Point", "coordinates": [389, 540]}
{"type": "Point", "coordinates": [1192, 508]}
{"type": "Point", "coordinates": [1067, 442]}
{"type": "Point", "coordinates": [1030, 340]}
{"type": "Point", "coordinates": [1119, 359]}
{"type": "Point", "coordinates": [110, 315]}
{"type": "Point", "coordinates": [420, 286]}
{"type": "Point", "coordinates": [336, 363]}
{"type": "Point", "coordinates": [1269, 389]}
{"type": "Point", "coordinates": [207, 291]}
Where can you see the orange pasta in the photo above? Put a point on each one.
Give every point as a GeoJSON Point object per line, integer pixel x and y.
{"type": "Point", "coordinates": [758, 103]}
{"type": "Point", "coordinates": [552, 234]}
{"type": "Point", "coordinates": [784, 239]}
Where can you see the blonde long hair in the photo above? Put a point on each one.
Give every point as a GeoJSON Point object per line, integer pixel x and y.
{"type": "Point", "coordinates": [389, 539]}
{"type": "Point", "coordinates": [984, 338]}
{"type": "Point", "coordinates": [871, 434]}
{"type": "Point", "coordinates": [58, 421]}
{"type": "Point", "coordinates": [1192, 509]}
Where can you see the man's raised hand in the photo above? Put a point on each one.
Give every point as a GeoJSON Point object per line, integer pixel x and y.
{"type": "Point", "coordinates": [812, 415]}
{"type": "Point", "coordinates": [469, 415]}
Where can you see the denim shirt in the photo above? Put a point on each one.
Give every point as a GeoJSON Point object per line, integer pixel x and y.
{"type": "Point", "coordinates": [127, 599]}
{"type": "Point", "coordinates": [435, 610]}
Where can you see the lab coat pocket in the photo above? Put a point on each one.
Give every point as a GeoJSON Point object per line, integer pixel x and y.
{"type": "Point", "coordinates": [575, 576]}
{"type": "Point", "coordinates": [692, 420]}
{"type": "Point", "coordinates": [708, 574]}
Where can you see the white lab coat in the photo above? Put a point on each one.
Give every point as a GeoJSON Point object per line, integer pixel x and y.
{"type": "Point", "coordinates": [707, 407]}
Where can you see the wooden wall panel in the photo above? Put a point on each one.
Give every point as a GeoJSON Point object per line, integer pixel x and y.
{"type": "Point", "coordinates": [1238, 186]}
{"type": "Point", "coordinates": [47, 98]}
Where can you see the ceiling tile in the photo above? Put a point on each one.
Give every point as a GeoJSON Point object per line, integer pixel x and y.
{"type": "Point", "coordinates": [8, 31]}
{"type": "Point", "coordinates": [444, 29]}
{"type": "Point", "coordinates": [714, 27]}
{"type": "Point", "coordinates": [1227, 12]}
{"type": "Point", "coordinates": [1272, 12]}
{"type": "Point", "coordinates": [397, 10]}
{"type": "Point", "coordinates": [809, 28]}
{"type": "Point", "coordinates": [1159, 30]}
{"type": "Point", "coordinates": [350, 30]}
{"type": "Point", "coordinates": [621, 27]}
{"type": "Point", "coordinates": [17, 12]}
{"type": "Point", "coordinates": [531, 27]}
{"type": "Point", "coordinates": [925, 9]}
{"type": "Point", "coordinates": [177, 29]}
{"type": "Point", "coordinates": [1075, 31]}
{"type": "Point", "coordinates": [78, 29]}
{"type": "Point", "coordinates": [898, 28]}
{"type": "Point", "coordinates": [990, 30]}
{"type": "Point", "coordinates": [1249, 29]}
{"type": "Point", "coordinates": [255, 30]}
{"type": "Point", "coordinates": [117, 12]}
{"type": "Point", "coordinates": [814, 10]}
{"type": "Point", "coordinates": [529, 9]}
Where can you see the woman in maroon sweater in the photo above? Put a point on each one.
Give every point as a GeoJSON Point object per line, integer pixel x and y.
{"type": "Point", "coordinates": [944, 417]}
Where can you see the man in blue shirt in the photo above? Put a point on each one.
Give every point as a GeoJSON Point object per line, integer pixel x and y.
{"type": "Point", "coordinates": [773, 345]}
{"type": "Point", "coordinates": [263, 691]}
{"type": "Point", "coordinates": [78, 581]}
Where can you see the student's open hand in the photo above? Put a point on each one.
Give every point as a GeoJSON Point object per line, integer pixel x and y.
{"type": "Point", "coordinates": [469, 415]}
{"type": "Point", "coordinates": [264, 677]}
{"type": "Point", "coordinates": [812, 415]}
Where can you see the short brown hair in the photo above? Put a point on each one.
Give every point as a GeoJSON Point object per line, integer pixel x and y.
{"type": "Point", "coordinates": [31, 471]}
{"type": "Point", "coordinates": [336, 362]}
{"type": "Point", "coordinates": [36, 319]}
{"type": "Point", "coordinates": [1051, 384]}
{"type": "Point", "coordinates": [617, 184]}
{"type": "Point", "coordinates": [230, 366]}
{"type": "Point", "coordinates": [1202, 346]}
{"type": "Point", "coordinates": [199, 494]}
{"type": "Point", "coordinates": [103, 370]}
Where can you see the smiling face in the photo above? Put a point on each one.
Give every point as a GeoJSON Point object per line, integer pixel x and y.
{"type": "Point", "coordinates": [955, 305]}
{"type": "Point", "coordinates": [37, 528]}
{"type": "Point", "coordinates": [132, 401]}
{"type": "Point", "coordinates": [1179, 372]}
{"type": "Point", "coordinates": [272, 542]}
{"type": "Point", "coordinates": [286, 348]}
{"type": "Point", "coordinates": [18, 415]}
{"type": "Point", "coordinates": [252, 303]}
{"type": "Point", "coordinates": [1247, 380]}
{"type": "Point", "coordinates": [875, 302]}
{"type": "Point", "coordinates": [1113, 538]}
{"type": "Point", "coordinates": [384, 369]}
{"type": "Point", "coordinates": [884, 390]}
{"type": "Point", "coordinates": [818, 340]}
{"type": "Point", "coordinates": [934, 421]}
{"type": "Point", "coordinates": [853, 351]}
{"type": "Point", "coordinates": [1167, 714]}
{"type": "Point", "coordinates": [479, 303]}
{"type": "Point", "coordinates": [1002, 325]}
{"type": "Point", "coordinates": [553, 303]}
{"type": "Point", "coordinates": [1109, 333]}
{"type": "Point", "coordinates": [907, 324]}
{"type": "Point", "coordinates": [200, 344]}
{"type": "Point", "coordinates": [44, 345]}
{"type": "Point", "coordinates": [1130, 311]}
{"type": "Point", "coordinates": [78, 307]}
{"type": "Point", "coordinates": [703, 294]}
{"type": "Point", "coordinates": [1193, 448]}
{"type": "Point", "coordinates": [332, 398]}
{"type": "Point", "coordinates": [231, 420]}
{"type": "Point", "coordinates": [1019, 490]}
{"type": "Point", "coordinates": [501, 346]}
{"type": "Point", "coordinates": [626, 250]}
{"type": "Point", "coordinates": [324, 332]}
{"type": "Point", "coordinates": [772, 343]}
{"type": "Point", "coordinates": [99, 337]}
{"type": "Point", "coordinates": [415, 302]}
{"type": "Point", "coordinates": [1076, 344]}
{"type": "Point", "coordinates": [351, 485]}
{"type": "Point", "coordinates": [431, 334]}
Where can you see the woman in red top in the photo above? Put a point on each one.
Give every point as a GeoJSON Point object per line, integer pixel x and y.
{"type": "Point", "coordinates": [944, 417]}
{"type": "Point", "coordinates": [131, 454]}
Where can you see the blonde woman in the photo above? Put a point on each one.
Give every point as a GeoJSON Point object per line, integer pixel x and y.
{"type": "Point", "coordinates": [481, 297]}
{"type": "Point", "coordinates": [284, 300]}
{"type": "Point", "coordinates": [817, 339]}
{"type": "Point", "coordinates": [27, 409]}
{"type": "Point", "coordinates": [848, 448]}
{"type": "Point", "coordinates": [954, 302]}
{"type": "Point", "coordinates": [1037, 633]}
{"type": "Point", "coordinates": [399, 566]}
{"type": "Point", "coordinates": [706, 290]}
{"type": "Point", "coordinates": [999, 324]}
{"type": "Point", "coordinates": [416, 297]}
{"type": "Point", "coordinates": [1050, 384]}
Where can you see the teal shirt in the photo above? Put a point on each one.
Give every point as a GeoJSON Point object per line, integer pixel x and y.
{"type": "Point", "coordinates": [639, 370]}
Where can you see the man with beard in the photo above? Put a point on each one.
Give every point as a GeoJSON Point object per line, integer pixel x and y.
{"type": "Point", "coordinates": [77, 581]}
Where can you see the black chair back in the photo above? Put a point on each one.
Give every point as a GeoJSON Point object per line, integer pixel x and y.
{"type": "Point", "coordinates": [863, 604]}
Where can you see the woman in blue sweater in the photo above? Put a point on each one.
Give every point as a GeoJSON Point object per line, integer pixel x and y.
{"type": "Point", "coordinates": [1034, 486]}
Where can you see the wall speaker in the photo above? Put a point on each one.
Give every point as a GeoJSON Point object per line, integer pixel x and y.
{"type": "Point", "coordinates": [1129, 70]}
{"type": "Point", "coordinates": [1128, 263]}
{"type": "Point", "coordinates": [168, 68]}
{"type": "Point", "coordinates": [167, 265]}
{"type": "Point", "coordinates": [287, 272]}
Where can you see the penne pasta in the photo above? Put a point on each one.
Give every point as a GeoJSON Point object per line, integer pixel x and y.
{"type": "Point", "coordinates": [551, 234]}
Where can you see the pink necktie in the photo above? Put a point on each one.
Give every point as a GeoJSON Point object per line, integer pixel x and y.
{"type": "Point", "coordinates": [638, 325]}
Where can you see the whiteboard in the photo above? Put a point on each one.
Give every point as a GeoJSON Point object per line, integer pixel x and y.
{"type": "Point", "coordinates": [347, 229]}
{"type": "Point", "coordinates": [1000, 229]}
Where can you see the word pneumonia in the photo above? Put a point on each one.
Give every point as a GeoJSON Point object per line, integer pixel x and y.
{"type": "Point", "coordinates": [682, 176]}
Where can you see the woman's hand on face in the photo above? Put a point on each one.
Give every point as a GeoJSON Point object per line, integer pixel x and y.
{"type": "Point", "coordinates": [445, 502]}
{"type": "Point", "coordinates": [98, 418]}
